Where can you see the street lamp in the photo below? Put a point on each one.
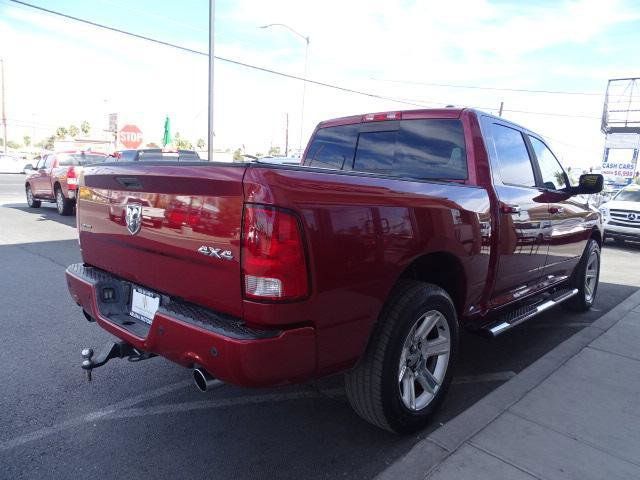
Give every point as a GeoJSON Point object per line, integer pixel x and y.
{"type": "Point", "coordinates": [304, 82]}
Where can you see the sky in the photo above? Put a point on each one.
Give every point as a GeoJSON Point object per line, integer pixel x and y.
{"type": "Point", "coordinates": [61, 72]}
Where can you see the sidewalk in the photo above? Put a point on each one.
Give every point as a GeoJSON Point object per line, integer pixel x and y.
{"type": "Point", "coordinates": [573, 414]}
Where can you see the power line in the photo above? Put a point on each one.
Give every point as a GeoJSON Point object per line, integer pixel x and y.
{"type": "Point", "coordinates": [223, 59]}
{"type": "Point", "coordinates": [500, 89]}
{"type": "Point", "coordinates": [411, 102]}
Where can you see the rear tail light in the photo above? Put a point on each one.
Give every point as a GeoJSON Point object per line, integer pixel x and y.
{"type": "Point", "coordinates": [72, 178]}
{"type": "Point", "coordinates": [274, 266]}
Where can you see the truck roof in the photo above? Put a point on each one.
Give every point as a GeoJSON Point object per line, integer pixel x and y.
{"type": "Point", "coordinates": [394, 115]}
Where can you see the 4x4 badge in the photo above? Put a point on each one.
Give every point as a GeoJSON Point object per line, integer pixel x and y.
{"type": "Point", "coordinates": [216, 252]}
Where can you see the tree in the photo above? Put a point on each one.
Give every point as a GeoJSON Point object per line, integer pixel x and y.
{"type": "Point", "coordinates": [237, 155]}
{"type": "Point", "coordinates": [73, 131]}
{"type": "Point", "coordinates": [61, 133]}
{"type": "Point", "coordinates": [49, 142]}
{"type": "Point", "coordinates": [12, 144]}
{"type": "Point", "coordinates": [27, 140]}
{"type": "Point", "coordinates": [200, 144]}
{"type": "Point", "coordinates": [85, 127]}
{"type": "Point", "coordinates": [274, 151]}
{"type": "Point", "coordinates": [180, 143]}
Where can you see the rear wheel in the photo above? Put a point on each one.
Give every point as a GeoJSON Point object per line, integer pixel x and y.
{"type": "Point", "coordinates": [406, 371]}
{"type": "Point", "coordinates": [64, 205]}
{"type": "Point", "coordinates": [31, 200]}
{"type": "Point", "coordinates": [586, 278]}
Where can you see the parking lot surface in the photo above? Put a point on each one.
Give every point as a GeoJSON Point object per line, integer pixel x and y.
{"type": "Point", "coordinates": [146, 418]}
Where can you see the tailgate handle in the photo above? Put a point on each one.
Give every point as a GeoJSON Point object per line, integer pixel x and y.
{"type": "Point", "coordinates": [129, 182]}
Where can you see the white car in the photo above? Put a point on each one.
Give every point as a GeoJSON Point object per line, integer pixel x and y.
{"type": "Point", "coordinates": [11, 164]}
{"type": "Point", "coordinates": [621, 215]}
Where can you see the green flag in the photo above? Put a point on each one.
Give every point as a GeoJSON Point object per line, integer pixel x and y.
{"type": "Point", "coordinates": [166, 140]}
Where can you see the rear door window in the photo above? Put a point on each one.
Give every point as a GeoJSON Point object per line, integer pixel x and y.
{"type": "Point", "coordinates": [512, 155]}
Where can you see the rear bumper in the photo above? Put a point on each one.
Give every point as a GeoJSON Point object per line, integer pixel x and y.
{"type": "Point", "coordinates": [191, 335]}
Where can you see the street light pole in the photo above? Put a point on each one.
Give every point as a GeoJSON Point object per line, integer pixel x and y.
{"type": "Point", "coordinates": [210, 132]}
{"type": "Point", "coordinates": [304, 83]}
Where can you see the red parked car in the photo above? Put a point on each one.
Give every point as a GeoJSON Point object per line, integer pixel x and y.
{"type": "Point", "coordinates": [398, 230]}
{"type": "Point", "coordinates": [55, 179]}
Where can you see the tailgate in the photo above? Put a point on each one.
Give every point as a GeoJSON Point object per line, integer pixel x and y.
{"type": "Point", "coordinates": [174, 229]}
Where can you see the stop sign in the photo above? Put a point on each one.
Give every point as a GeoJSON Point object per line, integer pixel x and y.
{"type": "Point", "coordinates": [130, 136]}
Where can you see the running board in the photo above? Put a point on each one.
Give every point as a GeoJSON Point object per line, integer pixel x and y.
{"type": "Point", "coordinates": [522, 314]}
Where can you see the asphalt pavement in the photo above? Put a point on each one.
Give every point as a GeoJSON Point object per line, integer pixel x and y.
{"type": "Point", "coordinates": [146, 418]}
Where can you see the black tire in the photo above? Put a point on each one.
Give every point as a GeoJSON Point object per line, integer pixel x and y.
{"type": "Point", "coordinates": [63, 204]}
{"type": "Point", "coordinates": [585, 298]}
{"type": "Point", "coordinates": [373, 386]}
{"type": "Point", "coordinates": [31, 200]}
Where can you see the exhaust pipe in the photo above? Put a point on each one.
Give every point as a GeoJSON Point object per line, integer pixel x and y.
{"type": "Point", "coordinates": [203, 380]}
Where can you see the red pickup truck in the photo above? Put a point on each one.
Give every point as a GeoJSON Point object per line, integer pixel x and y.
{"type": "Point", "coordinates": [54, 178]}
{"type": "Point", "coordinates": [397, 230]}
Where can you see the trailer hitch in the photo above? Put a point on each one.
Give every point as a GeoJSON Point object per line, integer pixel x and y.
{"type": "Point", "coordinates": [111, 350]}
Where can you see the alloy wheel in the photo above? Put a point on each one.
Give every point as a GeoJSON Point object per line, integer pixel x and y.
{"type": "Point", "coordinates": [591, 276]}
{"type": "Point", "coordinates": [424, 360]}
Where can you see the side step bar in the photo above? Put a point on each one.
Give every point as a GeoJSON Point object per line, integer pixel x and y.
{"type": "Point", "coordinates": [522, 314]}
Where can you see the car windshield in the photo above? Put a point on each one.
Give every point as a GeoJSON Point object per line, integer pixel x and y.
{"type": "Point", "coordinates": [78, 159]}
{"type": "Point", "coordinates": [630, 195]}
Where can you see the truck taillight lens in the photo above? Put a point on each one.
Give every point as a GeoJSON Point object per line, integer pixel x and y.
{"type": "Point", "coordinates": [274, 266]}
{"type": "Point", "coordinates": [72, 178]}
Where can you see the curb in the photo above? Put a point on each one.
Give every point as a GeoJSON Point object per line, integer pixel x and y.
{"type": "Point", "coordinates": [430, 452]}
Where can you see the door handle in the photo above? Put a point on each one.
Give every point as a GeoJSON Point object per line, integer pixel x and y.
{"type": "Point", "coordinates": [556, 210]}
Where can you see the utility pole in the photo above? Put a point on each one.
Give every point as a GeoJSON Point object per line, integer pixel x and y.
{"type": "Point", "coordinates": [4, 115]}
{"type": "Point", "coordinates": [210, 133]}
{"type": "Point", "coordinates": [286, 135]}
{"type": "Point", "coordinates": [500, 111]}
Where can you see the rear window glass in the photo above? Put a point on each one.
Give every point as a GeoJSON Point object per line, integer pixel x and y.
{"type": "Point", "coordinates": [418, 149]}
{"type": "Point", "coordinates": [332, 147]}
{"type": "Point", "coordinates": [66, 159]}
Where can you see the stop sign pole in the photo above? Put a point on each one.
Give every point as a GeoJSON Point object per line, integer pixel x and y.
{"type": "Point", "coordinates": [210, 133]}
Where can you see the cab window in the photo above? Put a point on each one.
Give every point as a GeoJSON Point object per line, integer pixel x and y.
{"type": "Point", "coordinates": [553, 176]}
{"type": "Point", "coordinates": [513, 157]}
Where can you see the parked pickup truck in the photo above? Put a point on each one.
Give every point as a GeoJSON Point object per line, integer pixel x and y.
{"type": "Point", "coordinates": [54, 178]}
{"type": "Point", "coordinates": [397, 230]}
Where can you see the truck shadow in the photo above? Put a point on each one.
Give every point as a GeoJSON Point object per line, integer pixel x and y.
{"type": "Point", "coordinates": [46, 212]}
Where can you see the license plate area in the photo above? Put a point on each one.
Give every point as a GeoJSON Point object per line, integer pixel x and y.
{"type": "Point", "coordinates": [144, 304]}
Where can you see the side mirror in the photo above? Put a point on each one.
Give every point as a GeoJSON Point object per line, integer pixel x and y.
{"type": "Point", "coordinates": [588, 184]}
{"type": "Point", "coordinates": [28, 166]}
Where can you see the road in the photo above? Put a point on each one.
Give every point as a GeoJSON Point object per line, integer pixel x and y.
{"type": "Point", "coordinates": [140, 419]}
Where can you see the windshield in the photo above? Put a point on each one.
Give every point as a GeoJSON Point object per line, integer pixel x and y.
{"type": "Point", "coordinates": [630, 195]}
{"type": "Point", "coordinates": [75, 159]}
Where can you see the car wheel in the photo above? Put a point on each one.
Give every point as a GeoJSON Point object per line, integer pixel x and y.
{"type": "Point", "coordinates": [586, 278]}
{"type": "Point", "coordinates": [406, 370]}
{"type": "Point", "coordinates": [31, 200]}
{"type": "Point", "coordinates": [64, 205]}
